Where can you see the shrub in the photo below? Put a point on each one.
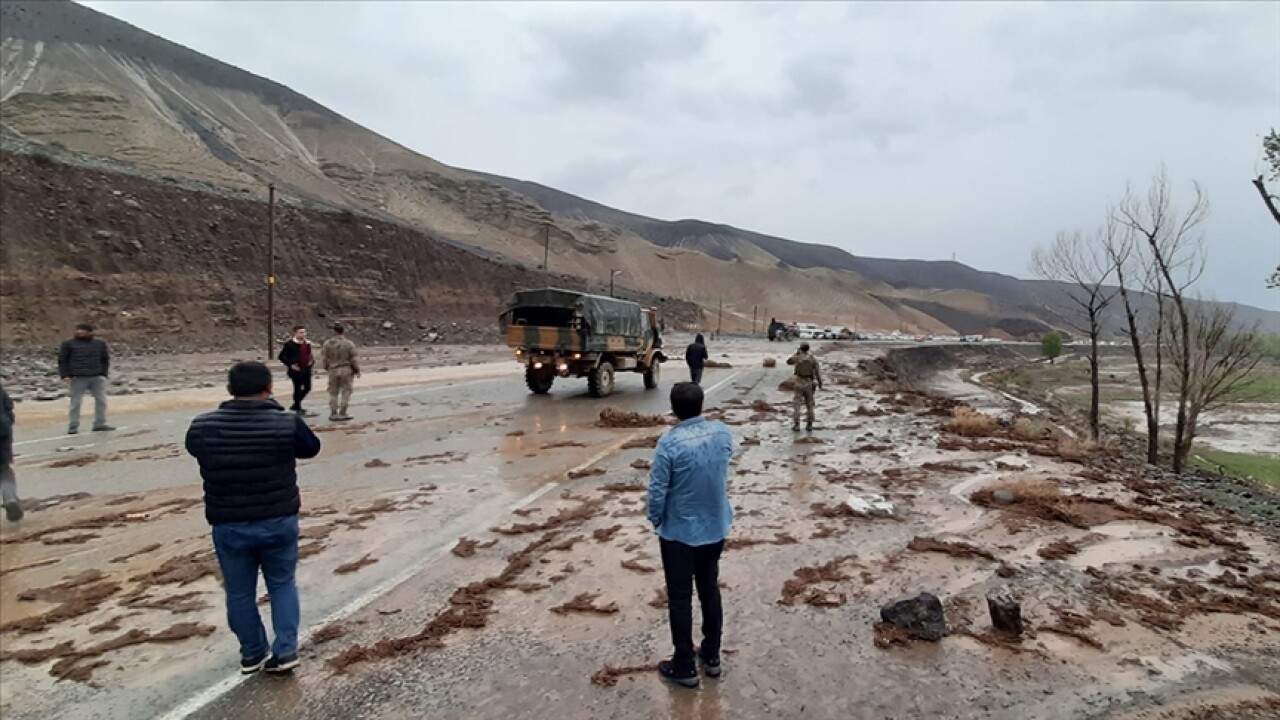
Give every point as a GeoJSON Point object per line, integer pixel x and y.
{"type": "Point", "coordinates": [970, 423]}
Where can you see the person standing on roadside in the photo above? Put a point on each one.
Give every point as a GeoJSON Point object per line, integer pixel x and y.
{"type": "Point", "coordinates": [807, 376]}
{"type": "Point", "coordinates": [695, 356]}
{"type": "Point", "coordinates": [341, 364]}
{"type": "Point", "coordinates": [8, 481]}
{"type": "Point", "coordinates": [298, 360]}
{"type": "Point", "coordinates": [84, 363]}
{"type": "Point", "coordinates": [689, 507]}
{"type": "Point", "coordinates": [248, 451]}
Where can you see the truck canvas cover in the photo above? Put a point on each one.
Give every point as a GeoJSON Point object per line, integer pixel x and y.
{"type": "Point", "coordinates": [604, 315]}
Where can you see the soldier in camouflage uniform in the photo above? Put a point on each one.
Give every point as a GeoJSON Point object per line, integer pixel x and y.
{"type": "Point", "coordinates": [340, 362]}
{"type": "Point", "coordinates": [808, 376]}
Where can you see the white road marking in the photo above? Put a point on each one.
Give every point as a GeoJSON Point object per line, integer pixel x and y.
{"type": "Point", "coordinates": [211, 694]}
{"type": "Point", "coordinates": [722, 383]}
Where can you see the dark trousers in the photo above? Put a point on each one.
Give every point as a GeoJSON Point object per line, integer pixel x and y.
{"type": "Point", "coordinates": [301, 387]}
{"type": "Point", "coordinates": [684, 567]}
{"type": "Point", "coordinates": [695, 374]}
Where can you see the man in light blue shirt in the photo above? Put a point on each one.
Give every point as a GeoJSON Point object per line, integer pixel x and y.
{"type": "Point", "coordinates": [689, 507]}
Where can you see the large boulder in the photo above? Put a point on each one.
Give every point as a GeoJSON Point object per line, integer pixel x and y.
{"type": "Point", "coordinates": [920, 616]}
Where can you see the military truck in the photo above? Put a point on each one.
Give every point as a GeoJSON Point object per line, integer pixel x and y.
{"type": "Point", "coordinates": [562, 333]}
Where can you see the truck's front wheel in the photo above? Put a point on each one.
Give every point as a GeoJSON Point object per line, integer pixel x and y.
{"type": "Point", "coordinates": [651, 376]}
{"type": "Point", "coordinates": [539, 381]}
{"type": "Point", "coordinates": [600, 382]}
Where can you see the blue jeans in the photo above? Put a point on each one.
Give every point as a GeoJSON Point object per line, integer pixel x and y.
{"type": "Point", "coordinates": [242, 549]}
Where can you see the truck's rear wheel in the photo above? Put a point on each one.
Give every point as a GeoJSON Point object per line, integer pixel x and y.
{"type": "Point", "coordinates": [651, 376]}
{"type": "Point", "coordinates": [539, 381]}
{"type": "Point", "coordinates": [600, 381]}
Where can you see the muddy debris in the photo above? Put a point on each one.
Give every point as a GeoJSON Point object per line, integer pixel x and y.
{"type": "Point", "coordinates": [642, 443]}
{"type": "Point", "coordinates": [467, 547]}
{"type": "Point", "coordinates": [585, 603]}
{"type": "Point", "coordinates": [31, 505]}
{"type": "Point", "coordinates": [738, 543]}
{"type": "Point", "coordinates": [641, 464]}
{"type": "Point", "coordinates": [800, 588]}
{"type": "Point", "coordinates": [70, 663]}
{"type": "Point", "coordinates": [609, 675]}
{"type": "Point", "coordinates": [182, 569]}
{"type": "Point", "coordinates": [79, 461]}
{"type": "Point", "coordinates": [354, 565]}
{"type": "Point", "coordinates": [1044, 501]}
{"type": "Point", "coordinates": [750, 441]}
{"type": "Point", "coordinates": [1059, 549]}
{"type": "Point", "coordinates": [873, 412]}
{"type": "Point", "coordinates": [140, 598]}
{"type": "Point", "coordinates": [770, 362]}
{"type": "Point", "coordinates": [810, 440]}
{"type": "Point", "coordinates": [954, 548]}
{"type": "Point", "coordinates": [604, 535]}
{"type": "Point", "coordinates": [619, 488]}
{"type": "Point", "coordinates": [636, 564]}
{"type": "Point", "coordinates": [470, 606]}
{"type": "Point", "coordinates": [31, 566]}
{"type": "Point", "coordinates": [949, 466]}
{"type": "Point", "coordinates": [584, 510]}
{"type": "Point", "coordinates": [141, 551]}
{"type": "Point", "coordinates": [566, 544]}
{"type": "Point", "coordinates": [563, 444]}
{"type": "Point", "coordinates": [586, 473]}
{"type": "Point", "coordinates": [329, 632]}
{"type": "Point", "coordinates": [75, 596]}
{"type": "Point", "coordinates": [612, 417]}
{"type": "Point", "coordinates": [660, 599]}
{"type": "Point", "coordinates": [106, 626]}
{"type": "Point", "coordinates": [70, 539]}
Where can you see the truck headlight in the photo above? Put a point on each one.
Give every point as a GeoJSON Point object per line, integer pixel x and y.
{"type": "Point", "coordinates": [537, 366]}
{"type": "Point", "coordinates": [563, 367]}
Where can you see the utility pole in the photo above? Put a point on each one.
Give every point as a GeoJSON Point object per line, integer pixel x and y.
{"type": "Point", "coordinates": [720, 317]}
{"type": "Point", "coordinates": [271, 269]}
{"type": "Point", "coordinates": [754, 308]}
{"type": "Point", "coordinates": [546, 246]}
{"type": "Point", "coordinates": [613, 274]}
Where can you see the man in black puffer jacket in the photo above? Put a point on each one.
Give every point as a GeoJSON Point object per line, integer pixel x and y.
{"type": "Point", "coordinates": [248, 450]}
{"type": "Point", "coordinates": [84, 362]}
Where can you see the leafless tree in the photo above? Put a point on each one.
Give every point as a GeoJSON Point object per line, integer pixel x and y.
{"type": "Point", "coordinates": [1219, 359]}
{"type": "Point", "coordinates": [1271, 156]}
{"type": "Point", "coordinates": [1175, 248]}
{"type": "Point", "coordinates": [1127, 260]}
{"type": "Point", "coordinates": [1085, 264]}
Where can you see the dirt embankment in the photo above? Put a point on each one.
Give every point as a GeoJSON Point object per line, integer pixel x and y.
{"type": "Point", "coordinates": [152, 264]}
{"type": "Point", "coordinates": [912, 364]}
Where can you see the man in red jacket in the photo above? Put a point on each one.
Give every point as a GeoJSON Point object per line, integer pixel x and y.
{"type": "Point", "coordinates": [298, 360]}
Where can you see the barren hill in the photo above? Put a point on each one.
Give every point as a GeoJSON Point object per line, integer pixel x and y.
{"type": "Point", "coordinates": [74, 78]}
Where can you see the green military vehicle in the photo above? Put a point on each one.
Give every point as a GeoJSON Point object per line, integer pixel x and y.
{"type": "Point", "coordinates": [562, 333]}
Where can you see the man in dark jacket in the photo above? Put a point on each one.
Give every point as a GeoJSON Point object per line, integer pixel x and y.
{"type": "Point", "coordinates": [248, 450]}
{"type": "Point", "coordinates": [298, 360]}
{"type": "Point", "coordinates": [84, 362]}
{"type": "Point", "coordinates": [8, 482]}
{"type": "Point", "coordinates": [696, 357]}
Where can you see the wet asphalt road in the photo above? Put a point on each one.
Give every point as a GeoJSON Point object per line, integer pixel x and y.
{"type": "Point", "coordinates": [481, 443]}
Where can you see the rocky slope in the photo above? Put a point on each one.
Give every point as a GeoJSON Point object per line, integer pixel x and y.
{"type": "Point", "coordinates": [160, 265]}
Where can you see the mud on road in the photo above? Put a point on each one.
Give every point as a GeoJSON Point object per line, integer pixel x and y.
{"type": "Point", "coordinates": [1139, 600]}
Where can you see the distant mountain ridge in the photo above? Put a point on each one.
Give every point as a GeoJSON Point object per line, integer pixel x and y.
{"type": "Point", "coordinates": [73, 77]}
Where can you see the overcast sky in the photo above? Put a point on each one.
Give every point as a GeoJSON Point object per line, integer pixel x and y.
{"type": "Point", "coordinates": [891, 129]}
